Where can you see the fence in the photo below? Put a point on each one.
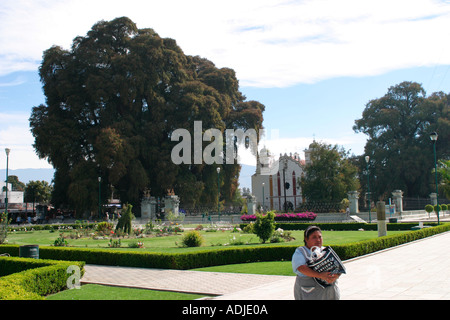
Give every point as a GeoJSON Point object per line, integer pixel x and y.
{"type": "Point", "coordinates": [319, 207]}
{"type": "Point", "coordinates": [210, 210]}
{"type": "Point", "coordinates": [409, 204]}
{"type": "Point", "coordinates": [416, 203]}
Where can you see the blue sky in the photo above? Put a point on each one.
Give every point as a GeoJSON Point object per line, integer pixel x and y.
{"type": "Point", "coordinates": [314, 64]}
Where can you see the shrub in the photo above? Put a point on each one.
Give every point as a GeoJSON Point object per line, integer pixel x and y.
{"type": "Point", "coordinates": [136, 244]}
{"type": "Point", "coordinates": [31, 279]}
{"type": "Point", "coordinates": [281, 236]}
{"type": "Point", "coordinates": [105, 228]}
{"type": "Point", "coordinates": [60, 241]}
{"type": "Point", "coordinates": [444, 207]}
{"type": "Point", "coordinates": [435, 208]}
{"type": "Point", "coordinates": [114, 243]}
{"type": "Point", "coordinates": [429, 208]}
{"type": "Point", "coordinates": [124, 222]}
{"type": "Point", "coordinates": [248, 228]}
{"type": "Point", "coordinates": [265, 226]}
{"type": "Point", "coordinates": [192, 239]}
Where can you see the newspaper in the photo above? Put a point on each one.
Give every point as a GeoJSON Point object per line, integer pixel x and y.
{"type": "Point", "coordinates": [324, 260]}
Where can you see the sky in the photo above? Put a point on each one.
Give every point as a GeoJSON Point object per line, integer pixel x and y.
{"type": "Point", "coordinates": [313, 64]}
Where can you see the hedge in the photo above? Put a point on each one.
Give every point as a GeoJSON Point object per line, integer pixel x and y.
{"type": "Point", "coordinates": [369, 246]}
{"type": "Point", "coordinates": [32, 279]}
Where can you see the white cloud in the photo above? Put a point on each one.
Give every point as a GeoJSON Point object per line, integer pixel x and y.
{"type": "Point", "coordinates": [16, 82]}
{"type": "Point", "coordinates": [269, 43]}
{"type": "Point", "coordinates": [15, 135]}
{"type": "Point", "coordinates": [276, 145]}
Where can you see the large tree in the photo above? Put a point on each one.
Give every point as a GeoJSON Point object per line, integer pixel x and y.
{"type": "Point", "coordinates": [444, 172]}
{"type": "Point", "coordinates": [112, 104]}
{"type": "Point", "coordinates": [330, 176]}
{"type": "Point", "coordinates": [398, 126]}
{"type": "Point", "coordinates": [38, 191]}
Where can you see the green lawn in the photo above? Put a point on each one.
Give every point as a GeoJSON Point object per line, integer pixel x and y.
{"type": "Point", "coordinates": [275, 268]}
{"type": "Point", "coordinates": [172, 243]}
{"type": "Point", "coordinates": [98, 292]}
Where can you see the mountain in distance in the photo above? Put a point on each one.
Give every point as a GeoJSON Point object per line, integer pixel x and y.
{"type": "Point", "coordinates": [245, 177]}
{"type": "Point", "coordinates": [27, 175]}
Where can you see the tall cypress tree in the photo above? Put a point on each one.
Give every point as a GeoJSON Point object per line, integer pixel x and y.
{"type": "Point", "coordinates": [112, 103]}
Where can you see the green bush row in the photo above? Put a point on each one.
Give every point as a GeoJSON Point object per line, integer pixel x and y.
{"type": "Point", "coordinates": [32, 279]}
{"type": "Point", "coordinates": [361, 248]}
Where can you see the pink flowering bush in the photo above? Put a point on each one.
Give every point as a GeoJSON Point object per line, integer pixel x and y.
{"type": "Point", "coordinates": [304, 216]}
{"type": "Point", "coordinates": [290, 217]}
{"type": "Point", "coordinates": [248, 217]}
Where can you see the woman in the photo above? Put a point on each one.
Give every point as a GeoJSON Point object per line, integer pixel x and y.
{"type": "Point", "coordinates": [306, 288]}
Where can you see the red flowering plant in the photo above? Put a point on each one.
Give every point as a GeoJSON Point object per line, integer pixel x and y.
{"type": "Point", "coordinates": [248, 217]}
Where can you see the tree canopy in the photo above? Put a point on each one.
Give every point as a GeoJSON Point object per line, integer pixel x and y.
{"type": "Point", "coordinates": [398, 126]}
{"type": "Point", "coordinates": [16, 184]}
{"type": "Point", "coordinates": [112, 103]}
{"type": "Point", "coordinates": [330, 175]}
{"type": "Point", "coordinates": [444, 172]}
{"type": "Point", "coordinates": [38, 191]}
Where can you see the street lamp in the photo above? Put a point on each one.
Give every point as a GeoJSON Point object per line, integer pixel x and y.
{"type": "Point", "coordinates": [218, 193]}
{"type": "Point", "coordinates": [263, 184]}
{"type": "Point", "coordinates": [368, 188]}
{"type": "Point", "coordinates": [434, 137]}
{"type": "Point", "coordinates": [99, 197]}
{"type": "Point", "coordinates": [285, 165]}
{"type": "Point", "coordinates": [7, 164]}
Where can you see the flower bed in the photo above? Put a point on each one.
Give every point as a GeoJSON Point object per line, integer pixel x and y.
{"type": "Point", "coordinates": [285, 217]}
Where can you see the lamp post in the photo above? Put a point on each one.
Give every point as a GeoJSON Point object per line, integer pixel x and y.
{"type": "Point", "coordinates": [7, 164]}
{"type": "Point", "coordinates": [99, 197]}
{"type": "Point", "coordinates": [218, 193]}
{"type": "Point", "coordinates": [284, 182]}
{"type": "Point", "coordinates": [263, 184]}
{"type": "Point", "coordinates": [368, 188]}
{"type": "Point", "coordinates": [434, 137]}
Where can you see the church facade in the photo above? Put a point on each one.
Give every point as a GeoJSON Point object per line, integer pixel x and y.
{"type": "Point", "coordinates": [276, 184]}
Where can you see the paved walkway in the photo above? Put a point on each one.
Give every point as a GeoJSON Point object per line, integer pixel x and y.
{"type": "Point", "coordinates": [417, 270]}
{"type": "Point", "coordinates": [207, 283]}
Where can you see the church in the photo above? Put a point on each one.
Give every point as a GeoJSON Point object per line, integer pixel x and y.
{"type": "Point", "coordinates": [276, 183]}
{"type": "Point", "coordinates": [14, 197]}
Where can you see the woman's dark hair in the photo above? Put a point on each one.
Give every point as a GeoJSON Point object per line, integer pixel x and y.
{"type": "Point", "coordinates": [309, 231]}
